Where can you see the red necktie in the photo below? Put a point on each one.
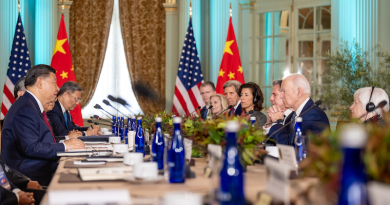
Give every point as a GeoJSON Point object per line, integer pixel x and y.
{"type": "Point", "coordinates": [47, 123]}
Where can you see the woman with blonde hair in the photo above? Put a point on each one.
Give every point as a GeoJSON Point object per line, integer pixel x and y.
{"type": "Point", "coordinates": [219, 104]}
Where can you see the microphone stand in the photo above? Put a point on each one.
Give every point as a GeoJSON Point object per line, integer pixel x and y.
{"type": "Point", "coordinates": [206, 110]}
{"type": "Point", "coordinates": [285, 125]}
{"type": "Point", "coordinates": [108, 104]}
{"type": "Point", "coordinates": [230, 107]}
{"type": "Point", "coordinates": [195, 110]}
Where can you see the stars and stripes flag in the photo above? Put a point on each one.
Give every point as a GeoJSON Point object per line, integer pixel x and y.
{"type": "Point", "coordinates": [19, 63]}
{"type": "Point", "coordinates": [189, 78]}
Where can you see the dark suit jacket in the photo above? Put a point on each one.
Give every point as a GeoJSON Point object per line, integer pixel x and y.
{"type": "Point", "coordinates": [17, 178]}
{"type": "Point", "coordinates": [57, 122]}
{"type": "Point", "coordinates": [203, 113]}
{"type": "Point", "coordinates": [7, 197]}
{"type": "Point", "coordinates": [315, 121]}
{"type": "Point", "coordinates": [261, 119]}
{"type": "Point", "coordinates": [238, 111]}
{"type": "Point", "coordinates": [27, 143]}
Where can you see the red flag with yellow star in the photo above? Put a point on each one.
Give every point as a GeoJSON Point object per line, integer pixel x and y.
{"type": "Point", "coordinates": [62, 62]}
{"type": "Point", "coordinates": [231, 64]}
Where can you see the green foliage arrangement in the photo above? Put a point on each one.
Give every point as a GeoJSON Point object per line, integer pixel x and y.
{"type": "Point", "coordinates": [210, 132]}
{"type": "Point", "coordinates": [325, 158]}
{"type": "Point", "coordinates": [349, 68]}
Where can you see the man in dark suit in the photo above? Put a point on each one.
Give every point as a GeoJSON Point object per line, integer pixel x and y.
{"type": "Point", "coordinates": [69, 97]}
{"type": "Point", "coordinates": [206, 90]}
{"type": "Point", "coordinates": [27, 142]}
{"type": "Point", "coordinates": [296, 97]}
{"type": "Point", "coordinates": [71, 135]}
{"type": "Point", "coordinates": [231, 88]}
{"type": "Point", "coordinates": [278, 102]}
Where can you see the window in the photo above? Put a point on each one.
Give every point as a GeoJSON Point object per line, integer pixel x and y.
{"type": "Point", "coordinates": [291, 42]}
{"type": "Point", "coordinates": [114, 79]}
{"type": "Point", "coordinates": [273, 37]}
{"type": "Point", "coordinates": [313, 41]}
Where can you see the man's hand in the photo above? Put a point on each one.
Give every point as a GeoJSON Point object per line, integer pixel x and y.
{"type": "Point", "coordinates": [74, 144]}
{"type": "Point", "coordinates": [26, 198]}
{"type": "Point", "coordinates": [276, 116]}
{"type": "Point", "coordinates": [74, 134]}
{"type": "Point", "coordinates": [33, 185]}
{"type": "Point", "coordinates": [96, 127]}
{"type": "Point", "coordinates": [91, 132]}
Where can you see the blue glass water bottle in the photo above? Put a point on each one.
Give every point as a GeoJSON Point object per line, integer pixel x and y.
{"type": "Point", "coordinates": [253, 120]}
{"type": "Point", "coordinates": [118, 123]}
{"type": "Point", "coordinates": [133, 124]}
{"type": "Point", "coordinates": [299, 142]}
{"type": "Point", "coordinates": [121, 128]}
{"type": "Point", "coordinates": [231, 175]}
{"type": "Point", "coordinates": [128, 124]}
{"type": "Point", "coordinates": [176, 157]}
{"type": "Point", "coordinates": [158, 145]}
{"type": "Point", "coordinates": [113, 125]}
{"type": "Point", "coordinates": [139, 138]}
{"type": "Point", "coordinates": [353, 178]}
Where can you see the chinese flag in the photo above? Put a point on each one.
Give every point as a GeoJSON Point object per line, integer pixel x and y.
{"type": "Point", "coordinates": [62, 62]}
{"type": "Point", "coordinates": [231, 64]}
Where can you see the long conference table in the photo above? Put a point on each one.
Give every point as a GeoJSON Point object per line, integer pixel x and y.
{"type": "Point", "coordinates": [254, 183]}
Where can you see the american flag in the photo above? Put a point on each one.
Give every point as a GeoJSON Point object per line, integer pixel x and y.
{"type": "Point", "coordinates": [19, 63]}
{"type": "Point", "coordinates": [189, 78]}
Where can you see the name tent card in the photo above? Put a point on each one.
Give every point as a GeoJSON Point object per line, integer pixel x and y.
{"type": "Point", "coordinates": [3, 179]}
{"type": "Point", "coordinates": [278, 185]}
{"type": "Point", "coordinates": [287, 156]}
{"type": "Point", "coordinates": [188, 148]}
{"type": "Point", "coordinates": [215, 153]}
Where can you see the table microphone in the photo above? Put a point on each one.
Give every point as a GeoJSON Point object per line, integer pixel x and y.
{"type": "Point", "coordinates": [108, 104]}
{"type": "Point", "coordinates": [97, 106]}
{"type": "Point", "coordinates": [249, 113]}
{"type": "Point", "coordinates": [195, 110]}
{"type": "Point", "coordinates": [380, 105]}
{"type": "Point", "coordinates": [206, 110]}
{"type": "Point", "coordinates": [98, 118]}
{"type": "Point", "coordinates": [122, 102]}
{"type": "Point", "coordinates": [228, 108]}
{"type": "Point", "coordinates": [96, 123]}
{"type": "Point", "coordinates": [316, 104]}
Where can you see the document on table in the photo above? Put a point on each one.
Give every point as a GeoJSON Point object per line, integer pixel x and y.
{"type": "Point", "coordinates": [109, 173]}
{"type": "Point", "coordinates": [72, 153]}
{"type": "Point", "coordinates": [99, 196]}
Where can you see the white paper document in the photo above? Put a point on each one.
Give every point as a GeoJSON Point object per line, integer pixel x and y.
{"type": "Point", "coordinates": [109, 173]}
{"type": "Point", "coordinates": [100, 196]}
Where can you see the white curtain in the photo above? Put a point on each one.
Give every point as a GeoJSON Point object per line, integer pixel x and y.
{"type": "Point", "coordinates": [114, 79]}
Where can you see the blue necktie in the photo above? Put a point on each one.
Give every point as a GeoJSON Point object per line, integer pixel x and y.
{"type": "Point", "coordinates": [66, 119]}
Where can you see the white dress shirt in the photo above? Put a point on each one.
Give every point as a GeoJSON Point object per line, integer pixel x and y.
{"type": "Point", "coordinates": [300, 108]}
{"type": "Point", "coordinates": [235, 107]}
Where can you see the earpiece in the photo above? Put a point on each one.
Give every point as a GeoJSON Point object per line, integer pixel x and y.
{"type": "Point", "coordinates": [370, 105]}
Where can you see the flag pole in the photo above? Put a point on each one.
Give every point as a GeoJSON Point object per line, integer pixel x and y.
{"type": "Point", "coordinates": [230, 10]}
{"type": "Point", "coordinates": [19, 6]}
{"type": "Point", "coordinates": [63, 6]}
{"type": "Point", "coordinates": [190, 9]}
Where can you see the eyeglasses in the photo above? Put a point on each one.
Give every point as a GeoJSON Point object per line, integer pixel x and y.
{"type": "Point", "coordinates": [77, 100]}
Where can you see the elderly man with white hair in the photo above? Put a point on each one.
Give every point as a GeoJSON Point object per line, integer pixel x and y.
{"type": "Point", "coordinates": [364, 104]}
{"type": "Point", "coordinates": [295, 93]}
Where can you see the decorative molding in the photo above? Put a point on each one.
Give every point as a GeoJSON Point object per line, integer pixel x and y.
{"type": "Point", "coordinates": [170, 9]}
{"type": "Point", "coordinates": [247, 4]}
{"type": "Point", "coordinates": [65, 7]}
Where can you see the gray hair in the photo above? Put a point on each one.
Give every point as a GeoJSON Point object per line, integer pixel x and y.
{"type": "Point", "coordinates": [300, 81]}
{"type": "Point", "coordinates": [277, 82]}
{"type": "Point", "coordinates": [378, 95]}
{"type": "Point", "coordinates": [208, 83]}
{"type": "Point", "coordinates": [231, 83]}
{"type": "Point", "coordinates": [19, 86]}
{"type": "Point", "coordinates": [69, 86]}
